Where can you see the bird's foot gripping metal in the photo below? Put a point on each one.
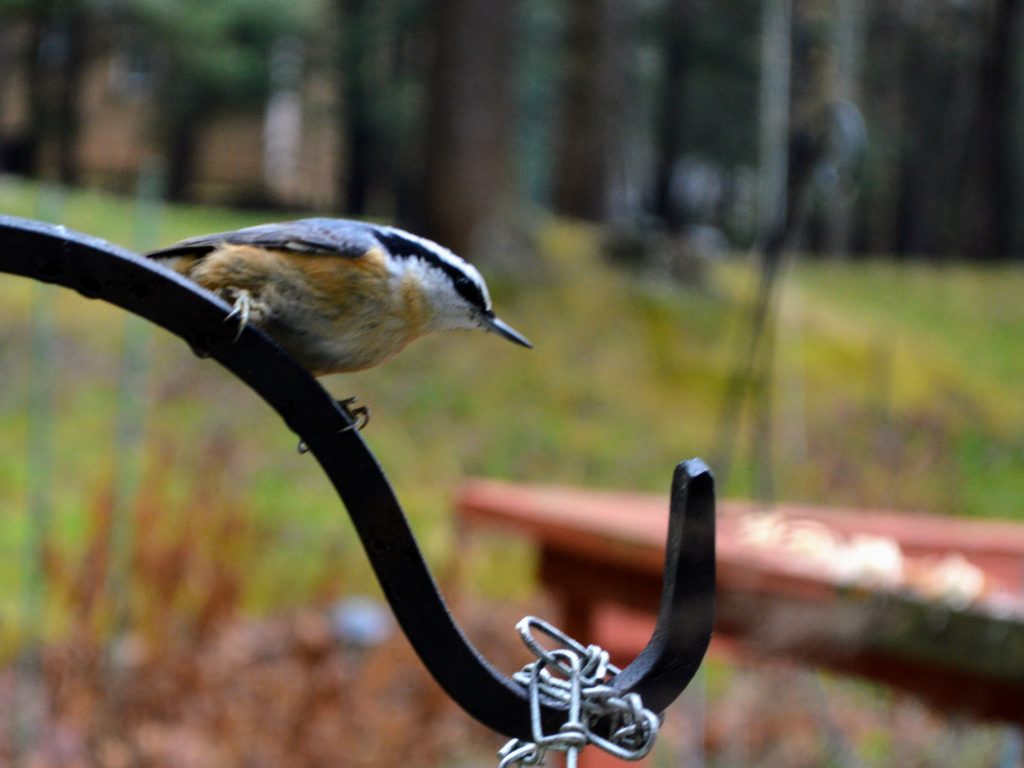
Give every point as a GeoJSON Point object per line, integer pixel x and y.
{"type": "Point", "coordinates": [359, 414]}
{"type": "Point", "coordinates": [98, 269]}
{"type": "Point", "coordinates": [358, 418]}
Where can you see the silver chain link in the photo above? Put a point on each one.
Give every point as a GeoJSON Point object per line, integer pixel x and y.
{"type": "Point", "coordinates": [578, 677]}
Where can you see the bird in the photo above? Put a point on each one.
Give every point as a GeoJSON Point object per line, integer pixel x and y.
{"type": "Point", "coordinates": [339, 295]}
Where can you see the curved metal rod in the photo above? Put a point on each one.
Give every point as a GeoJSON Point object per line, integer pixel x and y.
{"type": "Point", "coordinates": [98, 269]}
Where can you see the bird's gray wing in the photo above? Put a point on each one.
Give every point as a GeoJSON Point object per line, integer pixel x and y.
{"type": "Point", "coordinates": [339, 237]}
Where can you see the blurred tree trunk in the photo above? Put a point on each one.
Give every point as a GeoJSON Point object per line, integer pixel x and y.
{"type": "Point", "coordinates": [848, 42]}
{"type": "Point", "coordinates": [35, 94]}
{"type": "Point", "coordinates": [992, 232]}
{"type": "Point", "coordinates": [583, 160]}
{"type": "Point", "coordinates": [775, 104]}
{"type": "Point", "coordinates": [357, 130]}
{"type": "Point", "coordinates": [180, 150]}
{"type": "Point", "coordinates": [469, 131]}
{"type": "Point", "coordinates": [182, 115]}
{"type": "Point", "coordinates": [669, 129]}
{"type": "Point", "coordinates": [910, 221]}
{"type": "Point", "coordinates": [926, 136]}
{"type": "Point", "coordinates": [74, 33]}
{"type": "Point", "coordinates": [55, 60]}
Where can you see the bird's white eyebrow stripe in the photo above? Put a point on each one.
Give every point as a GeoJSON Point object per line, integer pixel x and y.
{"type": "Point", "coordinates": [443, 254]}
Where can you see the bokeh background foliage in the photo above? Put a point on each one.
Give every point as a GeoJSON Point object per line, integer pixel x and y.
{"type": "Point", "coordinates": [615, 168]}
{"type": "Point", "coordinates": [895, 388]}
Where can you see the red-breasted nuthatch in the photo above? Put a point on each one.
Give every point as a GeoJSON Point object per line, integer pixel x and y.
{"type": "Point", "coordinates": [339, 295]}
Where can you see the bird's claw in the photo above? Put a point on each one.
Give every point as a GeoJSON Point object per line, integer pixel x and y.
{"type": "Point", "coordinates": [359, 416]}
{"type": "Point", "coordinates": [242, 309]}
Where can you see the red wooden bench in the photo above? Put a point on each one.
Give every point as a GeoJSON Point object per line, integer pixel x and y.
{"type": "Point", "coordinates": [929, 604]}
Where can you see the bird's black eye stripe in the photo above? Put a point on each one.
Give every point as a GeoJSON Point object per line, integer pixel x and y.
{"type": "Point", "coordinates": [468, 289]}
{"type": "Point", "coordinates": [465, 286]}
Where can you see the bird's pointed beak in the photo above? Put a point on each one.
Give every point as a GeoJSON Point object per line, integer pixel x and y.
{"type": "Point", "coordinates": [505, 330]}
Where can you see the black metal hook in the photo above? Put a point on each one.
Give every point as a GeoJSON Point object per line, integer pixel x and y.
{"type": "Point", "coordinates": [98, 269]}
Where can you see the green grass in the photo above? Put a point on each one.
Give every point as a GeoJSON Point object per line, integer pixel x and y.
{"type": "Point", "coordinates": [927, 360]}
{"type": "Point", "coordinates": [897, 386]}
